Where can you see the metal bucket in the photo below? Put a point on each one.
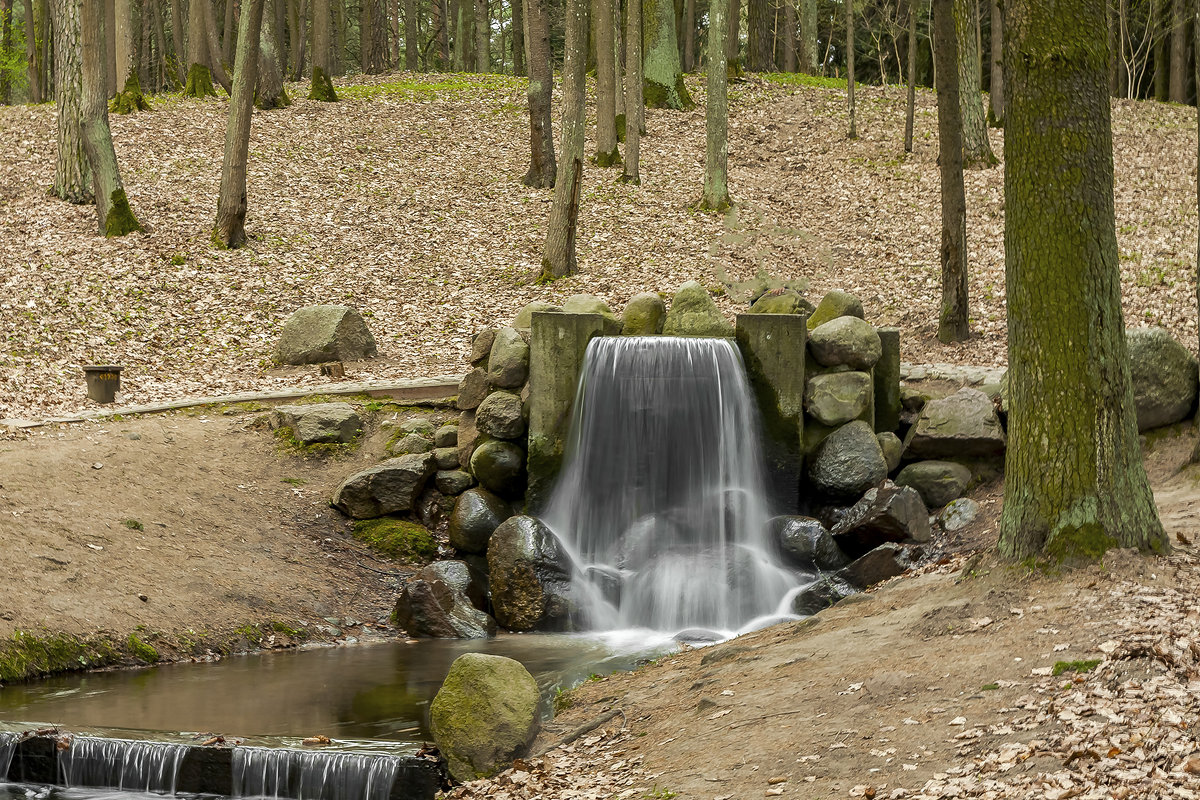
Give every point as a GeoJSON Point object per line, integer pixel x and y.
{"type": "Point", "coordinates": [103, 382]}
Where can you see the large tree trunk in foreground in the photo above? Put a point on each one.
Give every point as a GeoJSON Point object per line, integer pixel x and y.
{"type": "Point", "coordinates": [716, 172]}
{"type": "Point", "coordinates": [112, 207]}
{"type": "Point", "coordinates": [633, 92]}
{"type": "Point", "coordinates": [1074, 481]}
{"type": "Point", "coordinates": [542, 167]}
{"type": "Point", "coordinates": [322, 53]}
{"type": "Point", "coordinates": [607, 152]}
{"type": "Point", "coordinates": [663, 72]}
{"type": "Point", "coordinates": [230, 229]}
{"type": "Point", "coordinates": [953, 322]}
{"type": "Point", "coordinates": [559, 259]}
{"type": "Point", "coordinates": [977, 150]}
{"type": "Point", "coordinates": [72, 172]}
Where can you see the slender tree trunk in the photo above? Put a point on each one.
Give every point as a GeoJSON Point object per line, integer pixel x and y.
{"type": "Point", "coordinates": [789, 36]}
{"type": "Point", "coordinates": [298, 33]}
{"type": "Point", "coordinates": [758, 29]}
{"type": "Point", "coordinates": [168, 57]}
{"type": "Point", "coordinates": [716, 149]}
{"type": "Point", "coordinates": [411, 46]}
{"type": "Point", "coordinates": [808, 55]}
{"type": "Point", "coordinates": [664, 86]}
{"type": "Point", "coordinates": [6, 10]}
{"type": "Point", "coordinates": [689, 35]}
{"type": "Point", "coordinates": [618, 72]}
{"type": "Point", "coordinates": [112, 207]}
{"type": "Point", "coordinates": [230, 230]}
{"type": "Point", "coordinates": [518, 37]}
{"type": "Point", "coordinates": [1074, 481]}
{"type": "Point", "coordinates": [853, 134]}
{"type": "Point", "coordinates": [460, 35]}
{"type": "Point", "coordinates": [229, 33]}
{"type": "Point", "coordinates": [373, 37]}
{"type": "Point", "coordinates": [1179, 59]}
{"type": "Point", "coordinates": [444, 34]}
{"type": "Point", "coordinates": [179, 39]}
{"type": "Point", "coordinates": [542, 166]}
{"type": "Point", "coordinates": [199, 74]}
{"type": "Point", "coordinates": [483, 30]}
{"type": "Point", "coordinates": [607, 152]}
{"type": "Point", "coordinates": [953, 323]}
{"type": "Point", "coordinates": [337, 45]}
{"type": "Point", "coordinates": [322, 53]}
{"type": "Point", "coordinates": [72, 172]}
{"type": "Point", "coordinates": [129, 96]}
{"type": "Point", "coordinates": [559, 259]}
{"type": "Point", "coordinates": [914, 8]}
{"type": "Point", "coordinates": [977, 150]}
{"type": "Point", "coordinates": [633, 91]}
{"type": "Point", "coordinates": [33, 68]}
{"type": "Point", "coordinates": [271, 92]}
{"type": "Point", "coordinates": [996, 83]}
{"type": "Point", "coordinates": [214, 46]}
{"type": "Point", "coordinates": [109, 43]}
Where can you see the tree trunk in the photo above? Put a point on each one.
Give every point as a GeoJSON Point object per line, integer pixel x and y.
{"type": "Point", "coordinates": [607, 152]}
{"type": "Point", "coordinates": [977, 150]}
{"type": "Point", "coordinates": [518, 37]}
{"type": "Point", "coordinates": [167, 58]}
{"type": "Point", "coordinates": [853, 133]}
{"type": "Point", "coordinates": [1179, 59]}
{"type": "Point", "coordinates": [541, 172]}
{"type": "Point", "coordinates": [271, 92]}
{"type": "Point", "coordinates": [996, 82]}
{"type": "Point", "coordinates": [1196, 61]}
{"type": "Point", "coordinates": [716, 145]}
{"type": "Point", "coordinates": [179, 39]}
{"type": "Point", "coordinates": [733, 42]}
{"type": "Point", "coordinates": [789, 36]}
{"type": "Point", "coordinates": [373, 37]}
{"type": "Point", "coordinates": [1074, 482]}
{"type": "Point", "coordinates": [72, 172]}
{"type": "Point", "coordinates": [559, 259]}
{"type": "Point", "coordinates": [297, 29]}
{"type": "Point", "coordinates": [109, 43]}
{"type": "Point", "coordinates": [129, 96]}
{"type": "Point", "coordinates": [633, 91]}
{"type": "Point", "coordinates": [483, 30]}
{"type": "Point", "coordinates": [214, 46]}
{"type": "Point", "coordinates": [322, 53]}
{"type": "Point", "coordinates": [411, 46]}
{"type": "Point", "coordinates": [33, 68]}
{"type": "Point", "coordinates": [618, 72]}
{"type": "Point", "coordinates": [229, 33]}
{"type": "Point", "coordinates": [759, 56]}
{"type": "Point", "coordinates": [112, 208]}
{"type": "Point", "coordinates": [663, 73]}
{"type": "Point", "coordinates": [6, 11]}
{"type": "Point", "coordinates": [914, 8]}
{"type": "Point", "coordinates": [953, 324]}
{"type": "Point", "coordinates": [230, 230]}
{"type": "Point", "coordinates": [337, 44]}
{"type": "Point", "coordinates": [460, 35]}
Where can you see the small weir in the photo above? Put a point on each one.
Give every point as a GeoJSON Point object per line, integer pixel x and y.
{"type": "Point", "coordinates": [309, 775]}
{"type": "Point", "coordinates": [121, 764]}
{"type": "Point", "coordinates": [8, 744]}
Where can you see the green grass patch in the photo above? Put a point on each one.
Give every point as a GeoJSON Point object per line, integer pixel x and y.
{"type": "Point", "coordinates": [989, 687]}
{"type": "Point", "coordinates": [397, 539]}
{"type": "Point", "coordinates": [140, 650]}
{"type": "Point", "coordinates": [1086, 665]}
{"type": "Point", "coordinates": [134, 525]}
{"type": "Point", "coordinates": [293, 481]}
{"type": "Point", "coordinates": [25, 655]}
{"type": "Point", "coordinates": [442, 86]}
{"type": "Point", "coordinates": [812, 81]}
{"type": "Point", "coordinates": [286, 441]}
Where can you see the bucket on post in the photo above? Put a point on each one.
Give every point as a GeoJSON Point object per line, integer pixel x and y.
{"type": "Point", "coordinates": [103, 382]}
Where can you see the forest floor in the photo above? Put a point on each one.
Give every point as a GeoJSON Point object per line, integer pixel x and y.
{"type": "Point", "coordinates": [404, 200]}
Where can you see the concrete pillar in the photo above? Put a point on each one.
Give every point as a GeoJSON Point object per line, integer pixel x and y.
{"type": "Point", "coordinates": [556, 346]}
{"type": "Point", "coordinates": [773, 347]}
{"type": "Point", "coordinates": [887, 382]}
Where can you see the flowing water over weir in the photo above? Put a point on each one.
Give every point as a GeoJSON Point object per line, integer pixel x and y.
{"type": "Point", "coordinates": [8, 745]}
{"type": "Point", "coordinates": [121, 764]}
{"type": "Point", "coordinates": [308, 775]}
{"type": "Point", "coordinates": [661, 496]}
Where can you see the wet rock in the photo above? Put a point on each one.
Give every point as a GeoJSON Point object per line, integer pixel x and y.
{"type": "Point", "coordinates": [963, 425]}
{"type": "Point", "coordinates": [476, 515]}
{"type": "Point", "coordinates": [805, 542]}
{"type": "Point", "coordinates": [885, 561]}
{"type": "Point", "coordinates": [500, 467]}
{"type": "Point", "coordinates": [645, 315]}
{"type": "Point", "coordinates": [452, 482]}
{"type": "Point", "coordinates": [837, 398]}
{"type": "Point", "coordinates": [938, 482]}
{"type": "Point", "coordinates": [821, 594]}
{"type": "Point", "coordinates": [833, 305]}
{"type": "Point", "coordinates": [693, 313]}
{"type": "Point", "coordinates": [500, 416]}
{"type": "Point", "coordinates": [781, 301]}
{"type": "Point", "coordinates": [481, 346]}
{"type": "Point", "coordinates": [848, 462]}
{"type": "Point", "coordinates": [889, 513]}
{"type": "Point", "coordinates": [472, 389]}
{"type": "Point", "coordinates": [410, 443]}
{"type": "Point", "coordinates": [446, 457]}
{"type": "Point", "coordinates": [386, 488]}
{"type": "Point", "coordinates": [468, 435]}
{"type": "Point", "coordinates": [460, 576]}
{"type": "Point", "coordinates": [893, 449]}
{"type": "Point", "coordinates": [320, 423]}
{"type": "Point", "coordinates": [524, 317]}
{"type": "Point", "coordinates": [530, 576]}
{"type": "Point", "coordinates": [958, 514]}
{"type": "Point", "coordinates": [316, 334]}
{"type": "Point", "coordinates": [435, 603]}
{"type": "Point", "coordinates": [485, 715]}
{"type": "Point", "coordinates": [1164, 377]}
{"type": "Point", "coordinates": [508, 364]}
{"type": "Point", "coordinates": [591, 304]}
{"type": "Point", "coordinates": [845, 341]}
{"type": "Point", "coordinates": [446, 436]}
{"type": "Point", "coordinates": [700, 636]}
{"type": "Point", "coordinates": [432, 507]}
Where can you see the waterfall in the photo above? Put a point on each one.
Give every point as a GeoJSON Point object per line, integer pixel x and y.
{"type": "Point", "coordinates": [312, 775]}
{"type": "Point", "coordinates": [661, 495]}
{"type": "Point", "coordinates": [8, 746]}
{"type": "Point", "coordinates": [121, 764]}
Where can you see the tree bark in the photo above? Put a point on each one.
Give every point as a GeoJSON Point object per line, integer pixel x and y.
{"type": "Point", "coordinates": [716, 149]}
{"type": "Point", "coordinates": [179, 39]}
{"type": "Point", "coordinates": [953, 323]}
{"type": "Point", "coordinates": [113, 214]}
{"type": "Point", "coordinates": [322, 53]}
{"type": "Point", "coordinates": [853, 133]}
{"type": "Point", "coordinates": [1179, 59]}
{"type": "Point", "coordinates": [760, 57]}
{"type": "Point", "coordinates": [518, 37]}
{"type": "Point", "coordinates": [1074, 482]}
{"type": "Point", "coordinates": [607, 152]}
{"type": "Point", "coordinates": [6, 10]}
{"type": "Point", "coordinates": [733, 42]}
{"type": "Point", "coordinates": [214, 46]}
{"type": "Point", "coordinates": [633, 91]}
{"type": "Point", "coordinates": [460, 35]}
{"type": "Point", "coordinates": [129, 97]}
{"type": "Point", "coordinates": [337, 42]}
{"type": "Point", "coordinates": [789, 36]}
{"type": "Point", "coordinates": [411, 47]}
{"type": "Point", "coordinates": [33, 68]}
{"type": "Point", "coordinates": [542, 168]}
{"type": "Point", "coordinates": [373, 37]}
{"type": "Point", "coordinates": [108, 42]}
{"type": "Point", "coordinates": [1196, 76]}
{"type": "Point", "coordinates": [914, 8]}
{"type": "Point", "coordinates": [559, 259]}
{"type": "Point", "coordinates": [230, 230]}
{"type": "Point", "coordinates": [977, 150]}
{"type": "Point", "coordinates": [996, 82]}
{"type": "Point", "coordinates": [229, 33]}
{"type": "Point", "coordinates": [663, 72]}
{"type": "Point", "coordinates": [298, 30]}
{"type": "Point", "coordinates": [689, 35]}
{"type": "Point", "coordinates": [271, 92]}
{"type": "Point", "coordinates": [483, 30]}
{"type": "Point", "coordinates": [72, 172]}
{"type": "Point", "coordinates": [808, 55]}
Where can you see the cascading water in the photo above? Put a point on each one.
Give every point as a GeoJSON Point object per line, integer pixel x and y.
{"type": "Point", "coordinates": [8, 746]}
{"type": "Point", "coordinates": [661, 498]}
{"type": "Point", "coordinates": [312, 775]}
{"type": "Point", "coordinates": [121, 764]}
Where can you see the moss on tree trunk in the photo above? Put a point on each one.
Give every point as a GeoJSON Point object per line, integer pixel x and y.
{"type": "Point", "coordinates": [130, 98]}
{"type": "Point", "coordinates": [199, 82]}
{"type": "Point", "coordinates": [662, 70]}
{"type": "Point", "coordinates": [322, 87]}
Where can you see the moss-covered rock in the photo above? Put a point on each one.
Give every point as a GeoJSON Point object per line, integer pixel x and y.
{"type": "Point", "coordinates": [833, 305]}
{"type": "Point", "coordinates": [693, 313]}
{"type": "Point", "coordinates": [1164, 377]}
{"type": "Point", "coordinates": [962, 425]}
{"type": "Point", "coordinates": [845, 342]}
{"type": "Point", "coordinates": [524, 317]}
{"type": "Point", "coordinates": [397, 538]}
{"type": "Point", "coordinates": [591, 304]}
{"type": "Point", "coordinates": [530, 576]}
{"type": "Point", "coordinates": [781, 301]}
{"type": "Point", "coordinates": [485, 715]}
{"type": "Point", "coordinates": [385, 488]}
{"type": "Point", "coordinates": [508, 361]}
{"type": "Point", "coordinates": [938, 482]}
{"type": "Point", "coordinates": [320, 333]}
{"type": "Point", "coordinates": [500, 467]}
{"type": "Point", "coordinates": [500, 416]}
{"type": "Point", "coordinates": [645, 315]}
{"type": "Point", "coordinates": [837, 397]}
{"type": "Point", "coordinates": [320, 423]}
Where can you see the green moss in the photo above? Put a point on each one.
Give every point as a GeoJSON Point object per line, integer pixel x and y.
{"type": "Point", "coordinates": [133, 525]}
{"type": "Point", "coordinates": [130, 99]}
{"type": "Point", "coordinates": [811, 81]}
{"type": "Point", "coordinates": [25, 655]}
{"type": "Point", "coordinates": [1075, 666]}
{"type": "Point", "coordinates": [322, 87]}
{"type": "Point", "coordinates": [199, 82]}
{"type": "Point", "coordinates": [610, 159]}
{"type": "Point", "coordinates": [288, 630]}
{"type": "Point", "coordinates": [397, 538]}
{"type": "Point", "coordinates": [140, 650]}
{"type": "Point", "coordinates": [621, 128]}
{"type": "Point", "coordinates": [675, 97]}
{"type": "Point", "coordinates": [120, 219]}
{"type": "Point", "coordinates": [562, 700]}
{"type": "Point", "coordinates": [286, 441]}
{"type": "Point", "coordinates": [1075, 543]}
{"type": "Point", "coordinates": [280, 100]}
{"type": "Point", "coordinates": [989, 687]}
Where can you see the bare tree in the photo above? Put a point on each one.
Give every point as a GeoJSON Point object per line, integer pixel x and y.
{"type": "Point", "coordinates": [633, 91]}
{"type": "Point", "coordinates": [607, 152]}
{"type": "Point", "coordinates": [542, 168]}
{"type": "Point", "coordinates": [914, 8]}
{"type": "Point", "coordinates": [230, 230]}
{"type": "Point", "coordinates": [977, 150]}
{"type": "Point", "coordinates": [954, 321]}
{"type": "Point", "coordinates": [716, 172]}
{"type": "Point", "coordinates": [853, 133]}
{"type": "Point", "coordinates": [72, 172]}
{"type": "Point", "coordinates": [322, 55]}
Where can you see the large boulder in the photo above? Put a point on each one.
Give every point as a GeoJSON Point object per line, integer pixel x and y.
{"type": "Point", "coordinates": [473, 388]}
{"type": "Point", "coordinates": [845, 341]}
{"type": "Point", "coordinates": [805, 542]}
{"type": "Point", "coordinates": [508, 363]}
{"type": "Point", "coordinates": [530, 576]}
{"type": "Point", "coordinates": [500, 467]}
{"type": "Point", "coordinates": [524, 317]}
{"type": "Point", "coordinates": [320, 423]}
{"type": "Point", "coordinates": [481, 346]}
{"type": "Point", "coordinates": [938, 482]}
{"type": "Point", "coordinates": [591, 304]}
{"type": "Point", "coordinates": [1164, 377]}
{"type": "Point", "coordinates": [645, 314]}
{"type": "Point", "coordinates": [821, 594]}
{"type": "Point", "coordinates": [693, 313]}
{"type": "Point", "coordinates": [886, 561]}
{"type": "Point", "coordinates": [316, 334]}
{"type": "Point", "coordinates": [837, 397]}
{"type": "Point", "coordinates": [453, 482]}
{"type": "Point", "coordinates": [500, 416]}
{"type": "Point", "coordinates": [848, 462]}
{"type": "Point", "coordinates": [434, 603]}
{"type": "Point", "coordinates": [963, 425]}
{"type": "Point", "coordinates": [385, 488]}
{"type": "Point", "coordinates": [833, 305]}
{"type": "Point", "coordinates": [888, 513]}
{"type": "Point", "coordinates": [476, 515]}
{"type": "Point", "coordinates": [781, 301]}
{"type": "Point", "coordinates": [485, 715]}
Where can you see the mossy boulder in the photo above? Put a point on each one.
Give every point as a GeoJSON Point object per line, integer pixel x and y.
{"type": "Point", "coordinates": [963, 425]}
{"type": "Point", "coordinates": [421, 425]}
{"type": "Point", "coordinates": [411, 443]}
{"type": "Point", "coordinates": [782, 301]}
{"type": "Point", "coordinates": [837, 397]}
{"type": "Point", "coordinates": [530, 576]}
{"type": "Point", "coordinates": [524, 317]}
{"type": "Point", "coordinates": [845, 342]}
{"type": "Point", "coordinates": [848, 462]}
{"type": "Point", "coordinates": [500, 467]}
{"type": "Point", "coordinates": [645, 315]}
{"type": "Point", "coordinates": [938, 482]}
{"type": "Point", "coordinates": [446, 457]}
{"type": "Point", "coordinates": [453, 482]}
{"type": "Point", "coordinates": [591, 304]}
{"type": "Point", "coordinates": [1164, 377]}
{"type": "Point", "coordinates": [386, 488]}
{"type": "Point", "coordinates": [485, 715]}
{"type": "Point", "coordinates": [500, 416]}
{"type": "Point", "coordinates": [893, 449]}
{"type": "Point", "coordinates": [693, 313]}
{"type": "Point", "coordinates": [316, 334]}
{"type": "Point", "coordinates": [833, 305]}
{"type": "Point", "coordinates": [508, 362]}
{"type": "Point", "coordinates": [446, 436]}
{"type": "Point", "coordinates": [475, 517]}
{"type": "Point", "coordinates": [320, 423]}
{"type": "Point", "coordinates": [398, 539]}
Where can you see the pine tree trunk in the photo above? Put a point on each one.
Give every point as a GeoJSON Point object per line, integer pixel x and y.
{"type": "Point", "coordinates": [716, 145]}
{"type": "Point", "coordinates": [113, 214]}
{"type": "Point", "coordinates": [996, 87]}
{"type": "Point", "coordinates": [322, 53]}
{"type": "Point", "coordinates": [633, 91]}
{"type": "Point", "coordinates": [663, 73]}
{"type": "Point", "coordinates": [72, 172]}
{"type": "Point", "coordinates": [1179, 59]}
{"type": "Point", "coordinates": [853, 133]}
{"type": "Point", "coordinates": [607, 152]}
{"type": "Point", "coordinates": [542, 168]}
{"type": "Point", "coordinates": [559, 259]}
{"type": "Point", "coordinates": [914, 8]}
{"type": "Point", "coordinates": [271, 92]}
{"type": "Point", "coordinates": [230, 230]}
{"type": "Point", "coordinates": [977, 150]}
{"type": "Point", "coordinates": [518, 37]}
{"type": "Point", "coordinates": [411, 47]}
{"type": "Point", "coordinates": [373, 37]}
{"type": "Point", "coordinates": [1074, 482]}
{"type": "Point", "coordinates": [808, 55]}
{"type": "Point", "coordinates": [953, 323]}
